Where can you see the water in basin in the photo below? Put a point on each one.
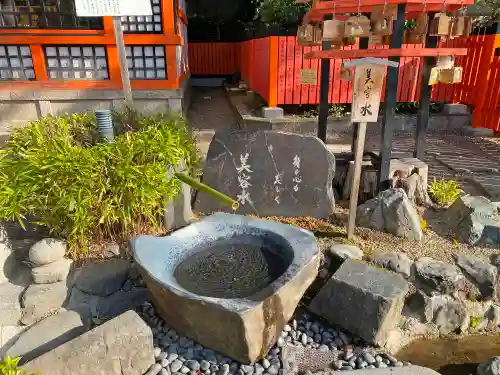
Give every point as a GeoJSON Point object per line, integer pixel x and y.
{"type": "Point", "coordinates": [452, 356]}
{"type": "Point", "coordinates": [232, 270]}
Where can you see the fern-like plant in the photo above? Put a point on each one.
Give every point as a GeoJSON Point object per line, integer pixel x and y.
{"type": "Point", "coordinates": [444, 192]}
{"type": "Point", "coordinates": [10, 366]}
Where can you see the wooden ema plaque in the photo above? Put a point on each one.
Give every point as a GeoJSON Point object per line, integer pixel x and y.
{"type": "Point", "coordinates": [308, 76]}
{"type": "Point", "coordinates": [366, 93]}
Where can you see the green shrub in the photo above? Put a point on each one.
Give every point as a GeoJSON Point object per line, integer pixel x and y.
{"type": "Point", "coordinates": [280, 12]}
{"type": "Point", "coordinates": [9, 366]}
{"type": "Point", "coordinates": [444, 192]}
{"type": "Point", "coordinates": [56, 169]}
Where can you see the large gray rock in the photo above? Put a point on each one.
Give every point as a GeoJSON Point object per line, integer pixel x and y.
{"type": "Point", "coordinates": [52, 272]}
{"type": "Point", "coordinates": [269, 173]}
{"type": "Point", "coordinates": [436, 277]}
{"type": "Point", "coordinates": [475, 220]}
{"type": "Point", "coordinates": [40, 300]}
{"type": "Point", "coordinates": [343, 252]}
{"type": "Point", "coordinates": [103, 279]}
{"type": "Point", "coordinates": [121, 346]}
{"type": "Point", "coordinates": [484, 274]}
{"type": "Point", "coordinates": [122, 301]}
{"type": "Point", "coordinates": [85, 304]}
{"type": "Point", "coordinates": [492, 367]}
{"type": "Point", "coordinates": [447, 314]}
{"type": "Point", "coordinates": [47, 251]}
{"type": "Point", "coordinates": [392, 211]}
{"type": "Point", "coordinates": [357, 287]}
{"type": "Point", "coordinates": [397, 262]}
{"type": "Point", "coordinates": [48, 334]}
{"type": "Point", "coordinates": [242, 313]}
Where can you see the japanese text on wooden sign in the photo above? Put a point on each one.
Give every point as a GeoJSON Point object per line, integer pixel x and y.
{"type": "Point", "coordinates": [368, 82]}
{"type": "Point", "coordinates": [100, 8]}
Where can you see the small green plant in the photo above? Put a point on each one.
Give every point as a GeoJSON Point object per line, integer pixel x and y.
{"type": "Point", "coordinates": [57, 170]}
{"type": "Point", "coordinates": [444, 192]}
{"type": "Point", "coordinates": [423, 225]}
{"type": "Point", "coordinates": [9, 366]}
{"type": "Point", "coordinates": [337, 110]}
{"type": "Point", "coordinates": [474, 321]}
{"type": "Point", "coordinates": [407, 107]}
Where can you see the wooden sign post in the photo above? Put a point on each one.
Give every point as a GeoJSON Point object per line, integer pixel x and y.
{"type": "Point", "coordinates": [117, 9]}
{"type": "Point", "coordinates": [369, 77]}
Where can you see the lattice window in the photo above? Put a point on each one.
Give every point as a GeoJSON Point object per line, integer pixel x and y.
{"type": "Point", "coordinates": [76, 62]}
{"type": "Point", "coordinates": [44, 14]}
{"type": "Point", "coordinates": [16, 63]}
{"type": "Point", "coordinates": [146, 62]}
{"type": "Point", "coordinates": [144, 24]}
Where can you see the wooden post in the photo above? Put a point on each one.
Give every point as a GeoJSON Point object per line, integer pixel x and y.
{"type": "Point", "coordinates": [358, 160]}
{"type": "Point", "coordinates": [363, 44]}
{"type": "Point", "coordinates": [367, 89]}
{"type": "Point", "coordinates": [122, 57]}
{"type": "Point", "coordinates": [425, 98]}
{"type": "Point", "coordinates": [324, 89]}
{"type": "Point", "coordinates": [391, 93]}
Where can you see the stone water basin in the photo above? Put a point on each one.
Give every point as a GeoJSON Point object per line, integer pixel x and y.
{"type": "Point", "coordinates": [229, 282]}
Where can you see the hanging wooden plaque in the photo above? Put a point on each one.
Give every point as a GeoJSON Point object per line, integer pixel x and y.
{"type": "Point", "coordinates": [349, 41]}
{"type": "Point", "coordinates": [458, 27]}
{"type": "Point", "coordinates": [305, 34]}
{"type": "Point", "coordinates": [308, 76]}
{"type": "Point", "coordinates": [412, 37]}
{"type": "Point", "coordinates": [440, 25]}
{"type": "Point", "coordinates": [421, 24]}
{"type": "Point", "coordinates": [387, 10]}
{"type": "Point", "coordinates": [346, 74]}
{"type": "Point", "coordinates": [375, 39]}
{"type": "Point", "coordinates": [366, 93]}
{"type": "Point", "coordinates": [452, 75]}
{"type": "Point", "coordinates": [445, 62]}
{"type": "Point", "coordinates": [356, 26]}
{"type": "Point", "coordinates": [467, 26]}
{"type": "Point", "coordinates": [309, 35]}
{"type": "Point", "coordinates": [382, 18]}
{"type": "Point", "coordinates": [333, 30]}
{"type": "Point", "coordinates": [434, 76]}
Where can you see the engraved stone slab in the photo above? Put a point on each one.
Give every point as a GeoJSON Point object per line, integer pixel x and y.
{"type": "Point", "coordinates": [269, 173]}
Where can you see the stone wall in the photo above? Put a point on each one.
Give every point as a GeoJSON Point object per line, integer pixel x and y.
{"type": "Point", "coordinates": [18, 108]}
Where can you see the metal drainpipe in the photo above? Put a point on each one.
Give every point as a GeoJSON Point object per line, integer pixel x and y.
{"type": "Point", "coordinates": [104, 123]}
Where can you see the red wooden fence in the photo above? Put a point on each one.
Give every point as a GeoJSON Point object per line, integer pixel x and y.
{"type": "Point", "coordinates": [213, 58]}
{"type": "Point", "coordinates": [271, 67]}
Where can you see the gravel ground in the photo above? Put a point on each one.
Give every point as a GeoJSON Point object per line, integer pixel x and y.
{"type": "Point", "coordinates": [438, 242]}
{"type": "Point", "coordinates": [178, 355]}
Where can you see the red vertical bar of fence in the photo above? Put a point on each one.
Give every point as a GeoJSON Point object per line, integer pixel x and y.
{"type": "Point", "coordinates": [260, 78]}
{"type": "Point", "coordinates": [491, 107]}
{"type": "Point", "coordinates": [483, 81]}
{"type": "Point", "coordinates": [282, 44]}
{"type": "Point", "coordinates": [273, 66]}
{"type": "Point", "coordinates": [290, 74]}
{"type": "Point", "coordinates": [306, 89]}
{"type": "Point", "coordinates": [212, 58]}
{"type": "Point", "coordinates": [314, 89]}
{"type": "Point", "coordinates": [297, 67]}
